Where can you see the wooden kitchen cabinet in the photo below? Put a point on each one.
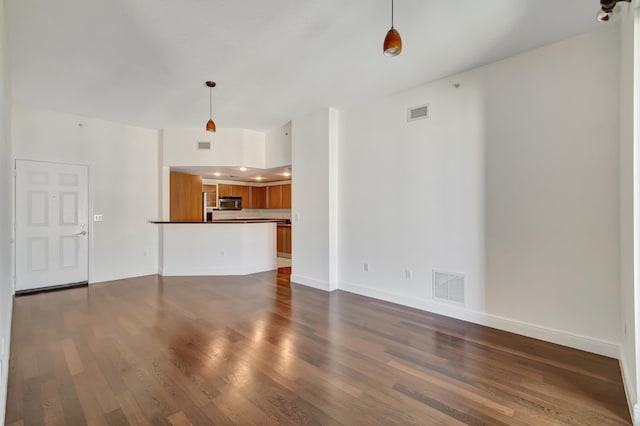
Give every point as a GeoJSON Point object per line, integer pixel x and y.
{"type": "Point", "coordinates": [286, 196]}
{"type": "Point", "coordinates": [185, 197]}
{"type": "Point", "coordinates": [235, 191]}
{"type": "Point", "coordinates": [274, 197]}
{"type": "Point", "coordinates": [224, 190]}
{"type": "Point", "coordinates": [241, 191]}
{"type": "Point", "coordinates": [280, 239]}
{"type": "Point", "coordinates": [284, 239]}
{"type": "Point", "coordinates": [245, 193]}
{"type": "Point", "coordinates": [212, 195]}
{"type": "Point", "coordinates": [258, 196]}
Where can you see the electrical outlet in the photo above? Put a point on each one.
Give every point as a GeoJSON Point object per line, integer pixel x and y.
{"type": "Point", "coordinates": [366, 267]}
{"type": "Point", "coordinates": [408, 274]}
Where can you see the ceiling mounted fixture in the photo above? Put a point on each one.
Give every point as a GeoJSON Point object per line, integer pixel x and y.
{"type": "Point", "coordinates": [392, 42]}
{"type": "Point", "coordinates": [211, 126]}
{"type": "Point", "coordinates": [608, 10]}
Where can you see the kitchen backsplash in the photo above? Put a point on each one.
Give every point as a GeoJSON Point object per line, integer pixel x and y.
{"type": "Point", "coordinates": [252, 213]}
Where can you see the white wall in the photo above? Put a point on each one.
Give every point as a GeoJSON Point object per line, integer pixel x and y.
{"type": "Point", "coordinates": [513, 181]}
{"type": "Point", "coordinates": [6, 219]}
{"type": "Point", "coordinates": [627, 322]}
{"type": "Point", "coordinates": [229, 147]}
{"type": "Point", "coordinates": [412, 194]}
{"type": "Point", "coordinates": [636, 205]}
{"type": "Point", "coordinates": [123, 183]}
{"type": "Point", "coordinates": [278, 147]}
{"type": "Point", "coordinates": [313, 201]}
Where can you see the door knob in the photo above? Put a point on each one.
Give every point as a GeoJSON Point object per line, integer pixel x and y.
{"type": "Point", "coordinates": [83, 232]}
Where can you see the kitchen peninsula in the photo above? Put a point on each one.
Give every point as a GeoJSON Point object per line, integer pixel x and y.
{"type": "Point", "coordinates": [197, 234]}
{"type": "Point", "coordinates": [205, 237]}
{"type": "Point", "coordinates": [221, 247]}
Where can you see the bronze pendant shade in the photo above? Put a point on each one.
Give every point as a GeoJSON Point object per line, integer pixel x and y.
{"type": "Point", "coordinates": [609, 10]}
{"type": "Point", "coordinates": [211, 126]}
{"type": "Point", "coordinates": [392, 42]}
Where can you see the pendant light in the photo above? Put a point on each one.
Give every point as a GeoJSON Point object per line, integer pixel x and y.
{"type": "Point", "coordinates": [392, 42]}
{"type": "Point", "coordinates": [211, 126]}
{"type": "Point", "coordinates": [608, 10]}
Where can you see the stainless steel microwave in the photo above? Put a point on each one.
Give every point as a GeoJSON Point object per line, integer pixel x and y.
{"type": "Point", "coordinates": [230, 203]}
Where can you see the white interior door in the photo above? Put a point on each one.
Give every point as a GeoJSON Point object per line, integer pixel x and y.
{"type": "Point", "coordinates": [52, 212]}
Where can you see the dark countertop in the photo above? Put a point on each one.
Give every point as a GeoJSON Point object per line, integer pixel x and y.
{"type": "Point", "coordinates": [241, 220]}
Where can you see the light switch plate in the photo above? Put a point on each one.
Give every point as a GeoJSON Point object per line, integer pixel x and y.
{"type": "Point", "coordinates": [97, 218]}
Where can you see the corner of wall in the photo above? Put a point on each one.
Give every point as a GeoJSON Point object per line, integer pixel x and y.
{"type": "Point", "coordinates": [6, 217]}
{"type": "Point", "coordinates": [629, 388]}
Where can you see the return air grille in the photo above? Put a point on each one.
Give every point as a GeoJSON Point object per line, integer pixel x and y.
{"type": "Point", "coordinates": [448, 287]}
{"type": "Point", "coordinates": [203, 145]}
{"type": "Point", "coordinates": [418, 113]}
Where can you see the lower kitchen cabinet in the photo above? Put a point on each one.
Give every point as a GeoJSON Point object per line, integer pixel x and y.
{"type": "Point", "coordinates": [284, 239]}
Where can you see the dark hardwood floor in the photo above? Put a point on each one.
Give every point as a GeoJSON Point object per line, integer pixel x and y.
{"type": "Point", "coordinates": [257, 350]}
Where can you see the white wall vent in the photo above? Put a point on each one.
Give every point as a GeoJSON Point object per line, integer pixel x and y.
{"type": "Point", "coordinates": [418, 113]}
{"type": "Point", "coordinates": [448, 286]}
{"type": "Point", "coordinates": [203, 145]}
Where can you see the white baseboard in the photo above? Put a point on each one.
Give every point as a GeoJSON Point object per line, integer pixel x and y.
{"type": "Point", "coordinates": [4, 379]}
{"type": "Point", "coordinates": [310, 282]}
{"type": "Point", "coordinates": [629, 390]}
{"type": "Point", "coordinates": [585, 343]}
{"type": "Point", "coordinates": [117, 277]}
{"type": "Point", "coordinates": [231, 270]}
{"type": "Point", "coordinates": [120, 275]}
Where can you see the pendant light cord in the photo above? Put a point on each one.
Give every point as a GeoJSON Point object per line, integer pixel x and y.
{"type": "Point", "coordinates": [210, 113]}
{"type": "Point", "coordinates": [391, 13]}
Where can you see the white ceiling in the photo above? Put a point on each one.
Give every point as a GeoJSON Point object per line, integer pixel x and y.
{"type": "Point", "coordinates": [240, 174]}
{"type": "Point", "coordinates": [144, 62]}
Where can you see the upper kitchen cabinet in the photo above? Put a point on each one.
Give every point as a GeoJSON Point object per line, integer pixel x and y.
{"type": "Point", "coordinates": [224, 190]}
{"type": "Point", "coordinates": [258, 197]}
{"type": "Point", "coordinates": [274, 197]}
{"type": "Point", "coordinates": [241, 191]}
{"type": "Point", "coordinates": [286, 196]}
{"type": "Point", "coordinates": [212, 195]}
{"type": "Point", "coordinates": [185, 197]}
{"type": "Point", "coordinates": [279, 196]}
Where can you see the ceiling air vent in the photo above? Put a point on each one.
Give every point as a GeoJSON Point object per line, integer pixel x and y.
{"type": "Point", "coordinates": [418, 113]}
{"type": "Point", "coordinates": [448, 287]}
{"type": "Point", "coordinates": [203, 145]}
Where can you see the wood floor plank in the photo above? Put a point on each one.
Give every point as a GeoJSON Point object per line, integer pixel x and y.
{"type": "Point", "coordinates": [51, 403]}
{"type": "Point", "coordinates": [131, 410]}
{"type": "Point", "coordinates": [116, 418]}
{"type": "Point", "coordinates": [179, 419]}
{"type": "Point", "coordinates": [71, 354]}
{"type": "Point", "coordinates": [258, 350]}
